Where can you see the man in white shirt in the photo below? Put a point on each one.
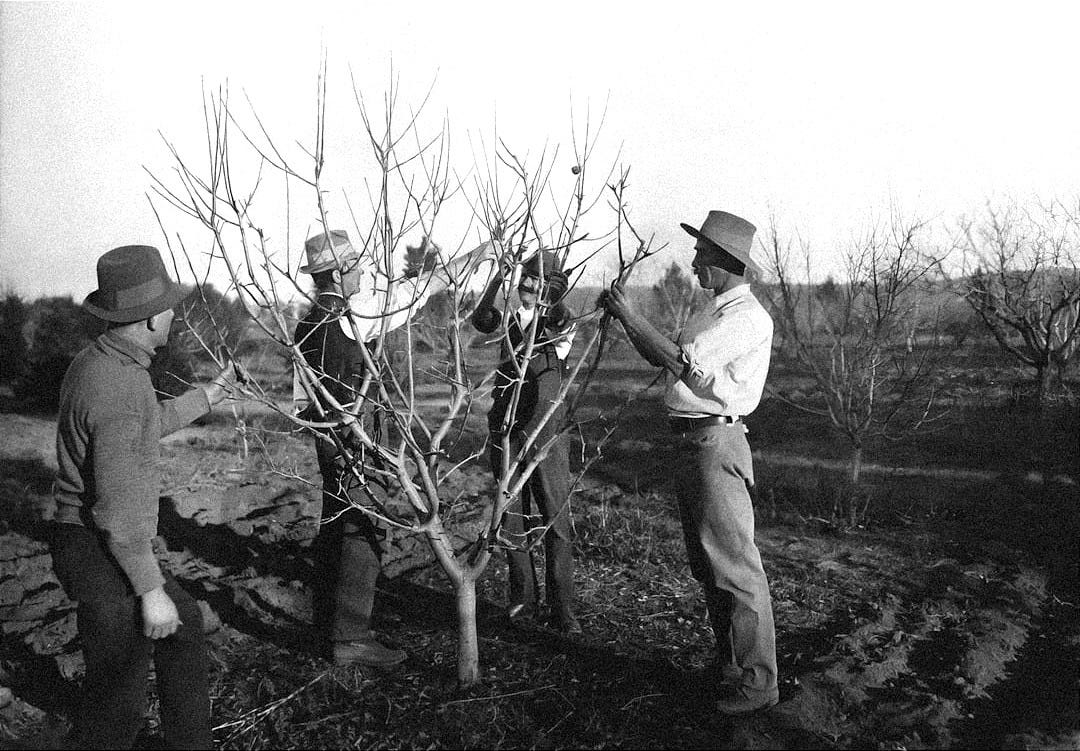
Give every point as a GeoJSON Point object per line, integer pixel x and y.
{"type": "Point", "coordinates": [719, 362]}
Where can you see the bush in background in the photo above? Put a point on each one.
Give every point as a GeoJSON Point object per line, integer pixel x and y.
{"type": "Point", "coordinates": [12, 345]}
{"type": "Point", "coordinates": [56, 329]}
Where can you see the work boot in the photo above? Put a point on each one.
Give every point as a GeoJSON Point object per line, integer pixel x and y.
{"type": "Point", "coordinates": [743, 702]}
{"type": "Point", "coordinates": [728, 673]}
{"type": "Point", "coordinates": [366, 652]}
{"type": "Point", "coordinates": [565, 622]}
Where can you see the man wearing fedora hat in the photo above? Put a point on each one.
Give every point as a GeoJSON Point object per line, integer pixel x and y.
{"type": "Point", "coordinates": [547, 491]}
{"type": "Point", "coordinates": [719, 363]}
{"type": "Point", "coordinates": [107, 487]}
{"type": "Point", "coordinates": [351, 307]}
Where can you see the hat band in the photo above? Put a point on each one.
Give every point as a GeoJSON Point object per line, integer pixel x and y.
{"type": "Point", "coordinates": [345, 255]}
{"type": "Point", "coordinates": [133, 297]}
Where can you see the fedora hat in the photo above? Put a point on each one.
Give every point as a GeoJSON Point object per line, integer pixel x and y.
{"type": "Point", "coordinates": [732, 234]}
{"type": "Point", "coordinates": [132, 285]}
{"type": "Point", "coordinates": [321, 252]}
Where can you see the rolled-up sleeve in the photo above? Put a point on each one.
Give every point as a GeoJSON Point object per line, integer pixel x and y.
{"type": "Point", "coordinates": [126, 479]}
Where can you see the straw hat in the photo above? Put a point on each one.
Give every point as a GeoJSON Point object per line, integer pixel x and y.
{"type": "Point", "coordinates": [734, 235]}
{"type": "Point", "coordinates": [132, 285]}
{"type": "Point", "coordinates": [320, 252]}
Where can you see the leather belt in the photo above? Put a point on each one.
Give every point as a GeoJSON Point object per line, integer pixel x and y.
{"type": "Point", "coordinates": [689, 424]}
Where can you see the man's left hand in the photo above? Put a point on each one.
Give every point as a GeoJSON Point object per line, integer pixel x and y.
{"type": "Point", "coordinates": [555, 287]}
{"type": "Point", "coordinates": [615, 301]}
{"type": "Point", "coordinates": [421, 258]}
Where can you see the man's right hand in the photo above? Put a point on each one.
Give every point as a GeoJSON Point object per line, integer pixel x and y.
{"type": "Point", "coordinates": [160, 617]}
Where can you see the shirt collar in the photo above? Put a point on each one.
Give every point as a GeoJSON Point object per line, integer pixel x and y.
{"type": "Point", "coordinates": [113, 343]}
{"type": "Point", "coordinates": [731, 295]}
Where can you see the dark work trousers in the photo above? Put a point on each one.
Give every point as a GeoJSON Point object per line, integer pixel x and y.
{"type": "Point", "coordinates": [112, 708]}
{"type": "Point", "coordinates": [545, 497]}
{"type": "Point", "coordinates": [718, 523]}
{"type": "Point", "coordinates": [348, 554]}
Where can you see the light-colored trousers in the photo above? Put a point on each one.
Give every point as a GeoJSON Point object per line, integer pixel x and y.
{"type": "Point", "coordinates": [718, 523]}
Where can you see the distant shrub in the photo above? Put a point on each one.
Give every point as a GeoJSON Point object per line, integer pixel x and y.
{"type": "Point", "coordinates": [206, 319]}
{"type": "Point", "coordinates": [56, 329]}
{"type": "Point", "coordinates": [675, 298]}
{"type": "Point", "coordinates": [814, 495]}
{"type": "Point", "coordinates": [220, 321]}
{"type": "Point", "coordinates": [12, 345]}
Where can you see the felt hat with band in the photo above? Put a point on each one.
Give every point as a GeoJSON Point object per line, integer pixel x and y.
{"type": "Point", "coordinates": [132, 285]}
{"type": "Point", "coordinates": [324, 255]}
{"type": "Point", "coordinates": [732, 234]}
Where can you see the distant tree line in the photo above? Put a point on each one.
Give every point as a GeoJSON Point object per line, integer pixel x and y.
{"type": "Point", "coordinates": [40, 338]}
{"type": "Point", "coordinates": [871, 341]}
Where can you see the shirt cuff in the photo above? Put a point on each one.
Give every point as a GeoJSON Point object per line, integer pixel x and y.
{"type": "Point", "coordinates": [141, 566]}
{"type": "Point", "coordinates": [192, 404]}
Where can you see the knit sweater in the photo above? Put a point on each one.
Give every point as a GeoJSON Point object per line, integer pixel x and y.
{"type": "Point", "coordinates": [107, 450]}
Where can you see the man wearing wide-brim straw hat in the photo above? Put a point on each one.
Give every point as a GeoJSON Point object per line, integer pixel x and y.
{"type": "Point", "coordinates": [107, 487]}
{"type": "Point", "coordinates": [719, 363]}
{"type": "Point", "coordinates": [352, 306]}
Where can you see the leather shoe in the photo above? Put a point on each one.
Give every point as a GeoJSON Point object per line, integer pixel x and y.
{"type": "Point", "coordinates": [368, 652]}
{"type": "Point", "coordinates": [743, 702]}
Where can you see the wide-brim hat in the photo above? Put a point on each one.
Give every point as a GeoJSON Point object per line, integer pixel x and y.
{"type": "Point", "coordinates": [324, 254]}
{"type": "Point", "coordinates": [732, 234]}
{"type": "Point", "coordinates": [132, 285]}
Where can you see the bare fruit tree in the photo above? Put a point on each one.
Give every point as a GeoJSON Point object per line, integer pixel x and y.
{"type": "Point", "coordinates": [513, 207]}
{"type": "Point", "coordinates": [1022, 279]}
{"type": "Point", "coordinates": [852, 337]}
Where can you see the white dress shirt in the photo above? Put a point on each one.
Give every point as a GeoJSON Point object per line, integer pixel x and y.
{"type": "Point", "coordinates": [726, 350]}
{"type": "Point", "coordinates": [565, 338]}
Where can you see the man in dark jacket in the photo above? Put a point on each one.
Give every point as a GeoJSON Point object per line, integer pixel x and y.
{"type": "Point", "coordinates": [352, 306]}
{"type": "Point", "coordinates": [107, 489]}
{"type": "Point", "coordinates": [548, 488]}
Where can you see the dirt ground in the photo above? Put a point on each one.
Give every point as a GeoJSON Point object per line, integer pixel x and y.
{"type": "Point", "coordinates": [945, 616]}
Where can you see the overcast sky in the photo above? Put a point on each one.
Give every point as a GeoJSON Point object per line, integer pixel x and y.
{"type": "Point", "coordinates": [821, 114]}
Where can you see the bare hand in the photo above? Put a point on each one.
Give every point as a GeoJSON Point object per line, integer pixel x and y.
{"type": "Point", "coordinates": [226, 381]}
{"type": "Point", "coordinates": [615, 301]}
{"type": "Point", "coordinates": [159, 614]}
{"type": "Point", "coordinates": [421, 258]}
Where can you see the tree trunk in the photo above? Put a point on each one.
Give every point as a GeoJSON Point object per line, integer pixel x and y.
{"type": "Point", "coordinates": [1046, 383]}
{"type": "Point", "coordinates": [468, 663]}
{"type": "Point", "coordinates": [856, 465]}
